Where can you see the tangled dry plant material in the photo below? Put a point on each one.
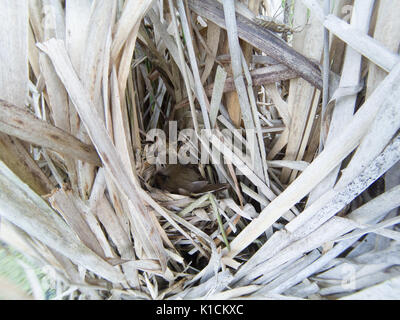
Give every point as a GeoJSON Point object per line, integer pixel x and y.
{"type": "Point", "coordinates": [183, 150]}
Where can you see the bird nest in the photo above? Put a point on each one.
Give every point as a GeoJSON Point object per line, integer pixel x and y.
{"type": "Point", "coordinates": [184, 150]}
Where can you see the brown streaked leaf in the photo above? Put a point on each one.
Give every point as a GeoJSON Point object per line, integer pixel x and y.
{"type": "Point", "coordinates": [17, 122]}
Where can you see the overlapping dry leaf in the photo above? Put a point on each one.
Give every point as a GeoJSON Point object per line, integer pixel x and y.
{"type": "Point", "coordinates": [306, 207]}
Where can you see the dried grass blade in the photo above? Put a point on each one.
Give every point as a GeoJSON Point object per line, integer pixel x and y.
{"type": "Point", "coordinates": [237, 69]}
{"type": "Point", "coordinates": [14, 88]}
{"type": "Point", "coordinates": [201, 96]}
{"type": "Point", "coordinates": [24, 125]}
{"type": "Point", "coordinates": [344, 107]}
{"type": "Point", "coordinates": [194, 205]}
{"type": "Point", "coordinates": [262, 39]}
{"type": "Point", "coordinates": [14, 51]}
{"type": "Point", "coordinates": [364, 44]}
{"type": "Point", "coordinates": [334, 200]}
{"type": "Point", "coordinates": [216, 97]}
{"type": "Point", "coordinates": [102, 141]}
{"type": "Point", "coordinates": [183, 68]}
{"type": "Point", "coordinates": [386, 31]}
{"type": "Point", "coordinates": [280, 104]}
{"type": "Point", "coordinates": [256, 120]}
{"type": "Point", "coordinates": [77, 14]}
{"type": "Point", "coordinates": [219, 220]}
{"type": "Point", "coordinates": [235, 160]}
{"type": "Point", "coordinates": [386, 94]}
{"type": "Point", "coordinates": [234, 293]}
{"type": "Point", "coordinates": [213, 37]}
{"type": "Point", "coordinates": [261, 76]}
{"type": "Point", "coordinates": [301, 94]}
{"type": "Point", "coordinates": [63, 202]}
{"type": "Point", "coordinates": [41, 222]}
{"type": "Point", "coordinates": [95, 50]}
{"type": "Point", "coordinates": [132, 13]}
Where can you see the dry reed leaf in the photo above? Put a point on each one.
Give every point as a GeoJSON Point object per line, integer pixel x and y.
{"type": "Point", "coordinates": [346, 193]}
{"type": "Point", "coordinates": [18, 159]}
{"type": "Point", "coordinates": [324, 163]}
{"type": "Point", "coordinates": [102, 141]}
{"type": "Point", "coordinates": [105, 73]}
{"type": "Point", "coordinates": [216, 97]}
{"type": "Point", "coordinates": [213, 37]}
{"type": "Point", "coordinates": [199, 89]}
{"type": "Point", "coordinates": [14, 41]}
{"type": "Point", "coordinates": [345, 106]}
{"type": "Point", "coordinates": [77, 15]}
{"type": "Point", "coordinates": [14, 88]}
{"type": "Point", "coordinates": [386, 290]}
{"type": "Point", "coordinates": [49, 228]}
{"type": "Point", "coordinates": [361, 42]}
{"type": "Point", "coordinates": [233, 293]}
{"type": "Point", "coordinates": [94, 51]}
{"type": "Point", "coordinates": [243, 98]}
{"type": "Point", "coordinates": [262, 39]}
{"type": "Point", "coordinates": [26, 126]}
{"type": "Point", "coordinates": [301, 94]}
{"type": "Point", "coordinates": [132, 12]}
{"type": "Point", "coordinates": [386, 30]}
{"type": "Point", "coordinates": [64, 203]}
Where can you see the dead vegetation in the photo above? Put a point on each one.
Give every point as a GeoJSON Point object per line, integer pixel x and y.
{"type": "Point", "coordinates": [309, 211]}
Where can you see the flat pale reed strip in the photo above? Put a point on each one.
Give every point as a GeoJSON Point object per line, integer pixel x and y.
{"type": "Point", "coordinates": [336, 199]}
{"type": "Point", "coordinates": [387, 93]}
{"type": "Point", "coordinates": [172, 45]}
{"type": "Point", "coordinates": [77, 13]}
{"type": "Point", "coordinates": [237, 69]}
{"type": "Point", "coordinates": [245, 169]}
{"type": "Point", "coordinates": [379, 228]}
{"type": "Point", "coordinates": [386, 32]}
{"type": "Point", "coordinates": [370, 212]}
{"type": "Point", "coordinates": [95, 51]}
{"type": "Point", "coordinates": [21, 162]}
{"type": "Point", "coordinates": [293, 269]}
{"type": "Point", "coordinates": [364, 44]}
{"type": "Point", "coordinates": [261, 39]}
{"type": "Point", "coordinates": [280, 104]}
{"type": "Point", "coordinates": [54, 27]}
{"type": "Point", "coordinates": [14, 24]}
{"type": "Point", "coordinates": [24, 125]}
{"type": "Point", "coordinates": [256, 119]}
{"type": "Point", "coordinates": [125, 62]}
{"type": "Point", "coordinates": [379, 206]}
{"type": "Point", "coordinates": [199, 89]}
{"type": "Point", "coordinates": [106, 149]}
{"type": "Point", "coordinates": [14, 51]}
{"type": "Point", "coordinates": [133, 11]}
{"type": "Point", "coordinates": [213, 38]}
{"type": "Point", "coordinates": [233, 293]}
{"type": "Point", "coordinates": [327, 232]}
{"type": "Point", "coordinates": [120, 125]}
{"type": "Point", "coordinates": [387, 290]}
{"type": "Point", "coordinates": [216, 97]}
{"type": "Point", "coordinates": [14, 88]}
{"type": "Point", "coordinates": [180, 62]}
{"type": "Point", "coordinates": [63, 202]}
{"type": "Point", "coordinates": [300, 101]}
{"type": "Point", "coordinates": [359, 41]}
{"type": "Point", "coordinates": [350, 77]}
{"type": "Point", "coordinates": [24, 208]}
